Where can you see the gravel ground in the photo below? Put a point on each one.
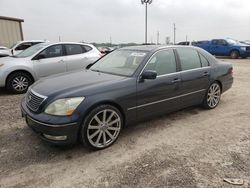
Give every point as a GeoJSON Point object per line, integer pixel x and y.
{"type": "Point", "coordinates": [188, 148]}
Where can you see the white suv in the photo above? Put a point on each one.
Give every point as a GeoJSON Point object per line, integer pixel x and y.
{"type": "Point", "coordinates": [18, 72]}
{"type": "Point", "coordinates": [23, 45]}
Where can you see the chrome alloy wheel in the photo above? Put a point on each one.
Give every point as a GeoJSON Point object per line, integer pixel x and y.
{"type": "Point", "coordinates": [20, 83]}
{"type": "Point", "coordinates": [104, 128]}
{"type": "Point", "coordinates": [213, 96]}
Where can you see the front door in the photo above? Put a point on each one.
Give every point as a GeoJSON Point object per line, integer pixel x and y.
{"type": "Point", "coordinates": [52, 62]}
{"type": "Point", "coordinates": [161, 94]}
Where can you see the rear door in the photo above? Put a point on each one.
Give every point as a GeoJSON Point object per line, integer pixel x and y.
{"type": "Point", "coordinates": [52, 61]}
{"type": "Point", "coordinates": [161, 94]}
{"type": "Point", "coordinates": [78, 56]}
{"type": "Point", "coordinates": [195, 76]}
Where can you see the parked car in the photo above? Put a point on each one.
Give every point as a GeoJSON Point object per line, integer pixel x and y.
{"type": "Point", "coordinates": [4, 51]}
{"type": "Point", "coordinates": [186, 43]}
{"type": "Point", "coordinates": [228, 47]}
{"type": "Point", "coordinates": [23, 45]}
{"type": "Point", "coordinates": [18, 72]}
{"type": "Point", "coordinates": [126, 86]}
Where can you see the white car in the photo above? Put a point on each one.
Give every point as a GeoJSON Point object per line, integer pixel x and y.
{"type": "Point", "coordinates": [18, 72]}
{"type": "Point", "coordinates": [4, 51]}
{"type": "Point", "coordinates": [19, 46]}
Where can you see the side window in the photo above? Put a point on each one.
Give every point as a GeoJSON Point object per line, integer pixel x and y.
{"type": "Point", "coordinates": [73, 49]}
{"type": "Point", "coordinates": [86, 48]}
{"type": "Point", "coordinates": [52, 51]}
{"type": "Point", "coordinates": [204, 61]}
{"type": "Point", "coordinates": [23, 46]}
{"type": "Point", "coordinates": [189, 58]}
{"type": "Point", "coordinates": [163, 62]}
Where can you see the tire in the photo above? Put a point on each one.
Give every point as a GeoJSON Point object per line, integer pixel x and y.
{"type": "Point", "coordinates": [212, 97]}
{"type": "Point", "coordinates": [18, 82]}
{"type": "Point", "coordinates": [97, 134]}
{"type": "Point", "coordinates": [234, 54]}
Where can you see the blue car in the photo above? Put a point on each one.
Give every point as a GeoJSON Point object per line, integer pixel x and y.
{"type": "Point", "coordinates": [225, 47]}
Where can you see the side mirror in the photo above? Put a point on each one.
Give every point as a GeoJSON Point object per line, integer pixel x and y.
{"type": "Point", "coordinates": [148, 75]}
{"type": "Point", "coordinates": [39, 56]}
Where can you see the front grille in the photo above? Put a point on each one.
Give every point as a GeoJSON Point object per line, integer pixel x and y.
{"type": "Point", "coordinates": [248, 48]}
{"type": "Point", "coordinates": [34, 100]}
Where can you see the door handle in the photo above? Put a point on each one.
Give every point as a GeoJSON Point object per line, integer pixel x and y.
{"type": "Point", "coordinates": [176, 80]}
{"type": "Point", "coordinates": [206, 74]}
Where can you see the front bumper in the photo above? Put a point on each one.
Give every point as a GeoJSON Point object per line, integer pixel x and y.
{"type": "Point", "coordinates": [59, 134]}
{"type": "Point", "coordinates": [245, 53]}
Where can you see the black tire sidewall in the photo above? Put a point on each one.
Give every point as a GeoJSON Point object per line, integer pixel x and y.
{"type": "Point", "coordinates": [87, 119]}
{"type": "Point", "coordinates": [236, 56]}
{"type": "Point", "coordinates": [10, 79]}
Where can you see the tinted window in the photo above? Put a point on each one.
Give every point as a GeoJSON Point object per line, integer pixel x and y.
{"type": "Point", "coordinates": [204, 61]}
{"type": "Point", "coordinates": [163, 62]}
{"type": "Point", "coordinates": [23, 46]}
{"type": "Point", "coordinates": [87, 48]}
{"type": "Point", "coordinates": [189, 58]}
{"type": "Point", "coordinates": [52, 51]}
{"type": "Point", "coordinates": [73, 49]}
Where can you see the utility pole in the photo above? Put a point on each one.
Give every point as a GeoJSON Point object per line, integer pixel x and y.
{"type": "Point", "coordinates": [158, 36]}
{"type": "Point", "coordinates": [110, 40]}
{"type": "Point", "coordinates": [174, 33]}
{"type": "Point", "coordinates": [59, 38]}
{"type": "Point", "coordinates": [146, 17]}
{"type": "Point", "coordinates": [186, 38]}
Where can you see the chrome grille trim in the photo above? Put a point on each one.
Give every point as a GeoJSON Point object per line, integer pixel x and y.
{"type": "Point", "coordinates": [34, 100]}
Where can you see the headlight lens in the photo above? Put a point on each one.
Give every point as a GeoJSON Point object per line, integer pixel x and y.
{"type": "Point", "coordinates": [243, 48]}
{"type": "Point", "coordinates": [64, 107]}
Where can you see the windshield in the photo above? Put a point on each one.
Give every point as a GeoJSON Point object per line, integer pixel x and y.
{"type": "Point", "coordinates": [120, 62]}
{"type": "Point", "coordinates": [231, 41]}
{"type": "Point", "coordinates": [31, 51]}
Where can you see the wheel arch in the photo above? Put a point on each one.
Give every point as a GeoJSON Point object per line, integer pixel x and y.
{"type": "Point", "coordinates": [20, 70]}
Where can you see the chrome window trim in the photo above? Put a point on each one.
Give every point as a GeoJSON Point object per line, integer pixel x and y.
{"type": "Point", "coordinates": [182, 71]}
{"type": "Point", "coordinates": [168, 99]}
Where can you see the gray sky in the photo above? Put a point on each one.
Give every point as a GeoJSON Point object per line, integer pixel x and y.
{"type": "Point", "coordinates": [97, 20]}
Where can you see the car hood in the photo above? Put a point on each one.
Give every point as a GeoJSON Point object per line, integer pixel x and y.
{"type": "Point", "coordinates": [8, 61]}
{"type": "Point", "coordinates": [70, 84]}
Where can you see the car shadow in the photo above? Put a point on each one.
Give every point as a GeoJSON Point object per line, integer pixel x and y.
{"type": "Point", "coordinates": [21, 147]}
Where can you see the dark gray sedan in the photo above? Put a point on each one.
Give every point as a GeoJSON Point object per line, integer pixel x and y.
{"type": "Point", "coordinates": [126, 86]}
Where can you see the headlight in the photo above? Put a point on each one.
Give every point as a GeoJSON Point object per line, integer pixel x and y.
{"type": "Point", "coordinates": [243, 48]}
{"type": "Point", "coordinates": [64, 107]}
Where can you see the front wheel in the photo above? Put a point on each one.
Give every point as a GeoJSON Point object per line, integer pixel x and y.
{"type": "Point", "coordinates": [18, 82]}
{"type": "Point", "coordinates": [212, 97]}
{"type": "Point", "coordinates": [101, 127]}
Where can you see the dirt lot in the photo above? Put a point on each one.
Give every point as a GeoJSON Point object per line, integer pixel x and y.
{"type": "Point", "coordinates": [189, 148]}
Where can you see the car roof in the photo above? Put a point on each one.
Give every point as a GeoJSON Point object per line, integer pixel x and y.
{"type": "Point", "coordinates": [155, 47]}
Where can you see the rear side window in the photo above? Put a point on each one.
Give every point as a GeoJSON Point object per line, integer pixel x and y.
{"type": "Point", "coordinates": [163, 62]}
{"type": "Point", "coordinates": [189, 58]}
{"type": "Point", "coordinates": [73, 49]}
{"type": "Point", "coordinates": [204, 61]}
{"type": "Point", "coordinates": [86, 48]}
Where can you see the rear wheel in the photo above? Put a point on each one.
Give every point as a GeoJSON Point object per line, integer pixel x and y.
{"type": "Point", "coordinates": [18, 82]}
{"type": "Point", "coordinates": [212, 97]}
{"type": "Point", "coordinates": [101, 127]}
{"type": "Point", "coordinates": [234, 54]}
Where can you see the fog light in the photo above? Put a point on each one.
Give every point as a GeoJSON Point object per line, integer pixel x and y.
{"type": "Point", "coordinates": [57, 138]}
